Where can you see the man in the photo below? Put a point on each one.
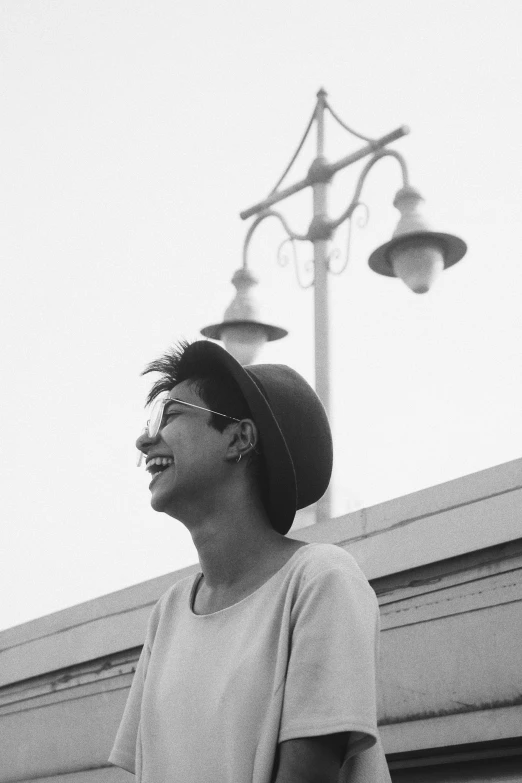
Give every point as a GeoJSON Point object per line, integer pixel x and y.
{"type": "Point", "coordinates": [261, 669]}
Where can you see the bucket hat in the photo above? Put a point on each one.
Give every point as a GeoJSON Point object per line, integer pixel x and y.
{"type": "Point", "coordinates": [293, 428]}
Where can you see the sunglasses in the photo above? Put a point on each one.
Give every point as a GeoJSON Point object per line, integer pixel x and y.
{"type": "Point", "coordinates": [157, 415]}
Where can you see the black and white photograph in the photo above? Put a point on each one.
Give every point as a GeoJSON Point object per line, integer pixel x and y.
{"type": "Point", "coordinates": [261, 391]}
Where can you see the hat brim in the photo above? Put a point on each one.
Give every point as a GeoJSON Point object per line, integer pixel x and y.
{"type": "Point", "coordinates": [282, 482]}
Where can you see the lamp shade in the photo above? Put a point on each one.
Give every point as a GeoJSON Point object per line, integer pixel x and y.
{"type": "Point", "coordinates": [244, 340]}
{"type": "Point", "coordinates": [242, 330]}
{"type": "Point", "coordinates": [415, 253]}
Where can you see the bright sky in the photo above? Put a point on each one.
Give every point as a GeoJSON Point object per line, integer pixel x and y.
{"type": "Point", "coordinates": [133, 134]}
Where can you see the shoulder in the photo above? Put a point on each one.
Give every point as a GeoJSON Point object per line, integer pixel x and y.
{"type": "Point", "coordinates": [333, 612]}
{"type": "Point", "coordinates": [326, 573]}
{"type": "Point", "coordinates": [321, 559]}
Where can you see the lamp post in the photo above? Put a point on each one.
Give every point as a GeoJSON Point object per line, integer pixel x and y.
{"type": "Point", "coordinates": [416, 253]}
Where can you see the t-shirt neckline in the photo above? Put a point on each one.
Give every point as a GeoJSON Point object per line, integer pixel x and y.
{"type": "Point", "coordinates": [199, 576]}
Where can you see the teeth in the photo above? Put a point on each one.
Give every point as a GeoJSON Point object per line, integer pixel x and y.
{"type": "Point", "coordinates": [159, 461]}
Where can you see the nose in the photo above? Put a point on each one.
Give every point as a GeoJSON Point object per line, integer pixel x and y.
{"type": "Point", "coordinates": [142, 439]}
{"type": "Point", "coordinates": [142, 444]}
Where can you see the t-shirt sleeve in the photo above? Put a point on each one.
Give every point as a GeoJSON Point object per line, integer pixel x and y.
{"type": "Point", "coordinates": [123, 753]}
{"type": "Point", "coordinates": [330, 685]}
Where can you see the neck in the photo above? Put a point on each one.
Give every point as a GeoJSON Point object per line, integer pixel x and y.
{"type": "Point", "coordinates": [233, 542]}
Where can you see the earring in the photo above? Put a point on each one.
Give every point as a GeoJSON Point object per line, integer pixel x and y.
{"type": "Point", "coordinates": [238, 460]}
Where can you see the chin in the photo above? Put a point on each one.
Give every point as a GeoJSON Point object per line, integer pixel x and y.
{"type": "Point", "coordinates": [157, 503]}
{"type": "Point", "coordinates": [163, 502]}
{"type": "Point", "coordinates": [161, 493]}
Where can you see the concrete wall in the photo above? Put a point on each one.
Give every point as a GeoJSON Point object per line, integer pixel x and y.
{"type": "Point", "coordinates": [446, 564]}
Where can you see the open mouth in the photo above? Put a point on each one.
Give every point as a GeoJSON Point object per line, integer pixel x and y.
{"type": "Point", "coordinates": [158, 465]}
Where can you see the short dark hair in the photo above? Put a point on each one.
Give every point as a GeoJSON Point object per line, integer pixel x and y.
{"type": "Point", "coordinates": [216, 387]}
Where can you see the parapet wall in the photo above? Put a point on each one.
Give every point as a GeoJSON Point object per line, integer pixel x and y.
{"type": "Point", "coordinates": [446, 564]}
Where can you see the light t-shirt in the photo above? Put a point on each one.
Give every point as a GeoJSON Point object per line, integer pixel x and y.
{"type": "Point", "coordinates": [214, 694]}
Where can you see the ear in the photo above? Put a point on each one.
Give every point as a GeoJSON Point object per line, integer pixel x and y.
{"type": "Point", "coordinates": [243, 440]}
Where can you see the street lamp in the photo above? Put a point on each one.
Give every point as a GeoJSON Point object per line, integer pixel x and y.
{"type": "Point", "coordinates": [416, 253]}
{"type": "Point", "coordinates": [243, 330]}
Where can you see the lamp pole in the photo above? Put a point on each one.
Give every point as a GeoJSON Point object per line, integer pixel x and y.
{"type": "Point", "coordinates": [416, 253]}
{"type": "Point", "coordinates": [321, 253]}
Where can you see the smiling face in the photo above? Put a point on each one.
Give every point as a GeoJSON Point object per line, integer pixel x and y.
{"type": "Point", "coordinates": [187, 458]}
